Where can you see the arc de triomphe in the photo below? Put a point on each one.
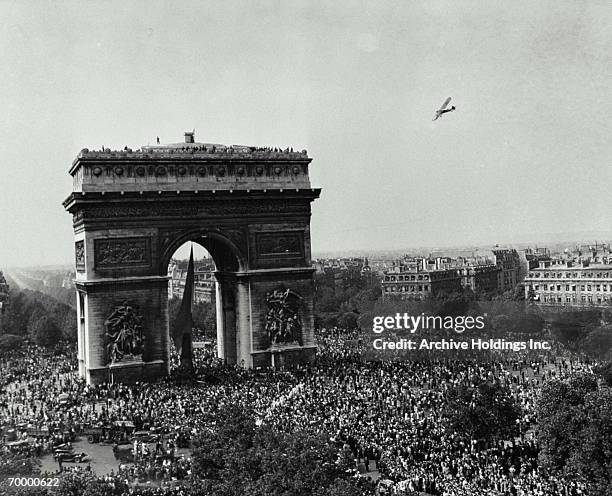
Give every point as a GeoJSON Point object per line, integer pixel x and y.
{"type": "Point", "coordinates": [248, 206]}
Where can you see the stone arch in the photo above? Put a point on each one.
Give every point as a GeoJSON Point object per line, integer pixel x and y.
{"type": "Point", "coordinates": [132, 209]}
{"type": "Point", "coordinates": [228, 257]}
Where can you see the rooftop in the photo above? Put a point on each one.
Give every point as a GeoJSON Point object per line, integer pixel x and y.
{"type": "Point", "coordinates": [190, 166]}
{"type": "Point", "coordinates": [576, 266]}
{"type": "Point", "coordinates": [190, 147]}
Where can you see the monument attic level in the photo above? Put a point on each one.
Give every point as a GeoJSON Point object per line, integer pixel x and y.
{"type": "Point", "coordinates": [248, 206]}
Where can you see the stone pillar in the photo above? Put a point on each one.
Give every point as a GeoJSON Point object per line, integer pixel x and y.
{"type": "Point", "coordinates": [149, 296]}
{"type": "Point", "coordinates": [81, 345]}
{"type": "Point", "coordinates": [243, 324]}
{"type": "Point", "coordinates": [220, 322]}
{"type": "Point", "coordinates": [228, 318]}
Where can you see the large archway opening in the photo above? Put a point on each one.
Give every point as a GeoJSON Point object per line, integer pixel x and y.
{"type": "Point", "coordinates": [216, 325]}
{"type": "Point", "coordinates": [202, 302]}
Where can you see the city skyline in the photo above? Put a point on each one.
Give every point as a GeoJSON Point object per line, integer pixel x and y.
{"type": "Point", "coordinates": [524, 158]}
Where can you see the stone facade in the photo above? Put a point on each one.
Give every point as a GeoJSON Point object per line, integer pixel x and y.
{"type": "Point", "coordinates": [204, 280]}
{"type": "Point", "coordinates": [483, 277]}
{"type": "Point", "coordinates": [510, 268]}
{"type": "Point", "coordinates": [248, 206]}
{"type": "Point", "coordinates": [418, 279]}
{"type": "Point", "coordinates": [570, 284]}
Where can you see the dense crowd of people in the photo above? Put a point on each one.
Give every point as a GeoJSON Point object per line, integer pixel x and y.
{"type": "Point", "coordinates": [388, 415]}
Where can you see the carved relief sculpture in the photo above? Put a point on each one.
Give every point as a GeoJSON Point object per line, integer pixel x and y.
{"type": "Point", "coordinates": [281, 244]}
{"type": "Point", "coordinates": [124, 333]}
{"type": "Point", "coordinates": [79, 255]}
{"type": "Point", "coordinates": [283, 324]}
{"type": "Point", "coordinates": [121, 252]}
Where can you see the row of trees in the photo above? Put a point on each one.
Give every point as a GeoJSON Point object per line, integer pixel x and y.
{"type": "Point", "coordinates": [344, 302]}
{"type": "Point", "coordinates": [584, 331]}
{"type": "Point", "coordinates": [39, 317]}
{"type": "Point", "coordinates": [341, 305]}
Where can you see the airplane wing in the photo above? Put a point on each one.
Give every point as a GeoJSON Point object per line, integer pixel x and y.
{"type": "Point", "coordinates": [446, 102]}
{"type": "Point", "coordinates": [438, 114]}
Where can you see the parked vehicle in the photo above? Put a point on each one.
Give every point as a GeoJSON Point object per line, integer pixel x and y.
{"type": "Point", "coordinates": [145, 437]}
{"type": "Point", "coordinates": [118, 432]}
{"type": "Point", "coordinates": [72, 457]}
{"type": "Point", "coordinates": [18, 446]}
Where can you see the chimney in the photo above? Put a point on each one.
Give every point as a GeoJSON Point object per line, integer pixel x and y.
{"type": "Point", "coordinates": [189, 136]}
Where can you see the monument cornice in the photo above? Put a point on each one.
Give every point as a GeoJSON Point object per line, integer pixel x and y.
{"type": "Point", "coordinates": [104, 282]}
{"type": "Point", "coordinates": [83, 199]}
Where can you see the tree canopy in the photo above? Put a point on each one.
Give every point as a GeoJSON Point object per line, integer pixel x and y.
{"type": "Point", "coordinates": [575, 430]}
{"type": "Point", "coordinates": [30, 311]}
{"type": "Point", "coordinates": [484, 411]}
{"type": "Point", "coordinates": [239, 457]}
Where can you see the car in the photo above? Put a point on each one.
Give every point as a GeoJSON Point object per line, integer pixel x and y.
{"type": "Point", "coordinates": [72, 457]}
{"type": "Point", "coordinates": [59, 453]}
{"type": "Point", "coordinates": [145, 437]}
{"type": "Point", "coordinates": [94, 434]}
{"type": "Point", "coordinates": [34, 432]}
{"type": "Point", "coordinates": [18, 446]}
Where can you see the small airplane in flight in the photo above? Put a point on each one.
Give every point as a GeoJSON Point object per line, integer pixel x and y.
{"type": "Point", "coordinates": [443, 109]}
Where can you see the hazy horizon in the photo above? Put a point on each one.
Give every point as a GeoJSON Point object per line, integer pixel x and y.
{"type": "Point", "coordinates": [199, 252]}
{"type": "Point", "coordinates": [525, 157]}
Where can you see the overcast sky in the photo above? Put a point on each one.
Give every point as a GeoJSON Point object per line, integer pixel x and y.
{"type": "Point", "coordinates": [526, 155]}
